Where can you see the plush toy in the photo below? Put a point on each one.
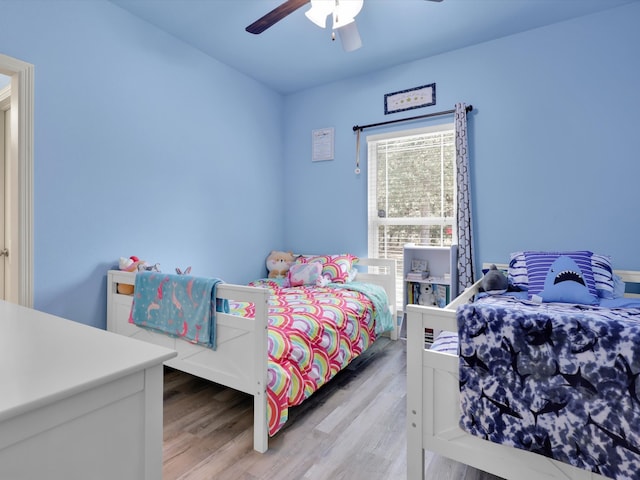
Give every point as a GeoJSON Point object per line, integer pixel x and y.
{"type": "Point", "coordinates": [278, 263]}
{"type": "Point", "coordinates": [426, 296]}
{"type": "Point", "coordinates": [127, 265]}
{"type": "Point", "coordinates": [494, 281]}
{"type": "Point", "coordinates": [134, 264]}
{"type": "Point", "coordinates": [144, 267]}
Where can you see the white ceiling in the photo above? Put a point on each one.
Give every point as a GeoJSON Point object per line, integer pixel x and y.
{"type": "Point", "coordinates": [295, 54]}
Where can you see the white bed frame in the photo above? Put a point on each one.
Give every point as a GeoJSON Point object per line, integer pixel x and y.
{"type": "Point", "coordinates": [240, 358]}
{"type": "Point", "coordinates": [433, 406]}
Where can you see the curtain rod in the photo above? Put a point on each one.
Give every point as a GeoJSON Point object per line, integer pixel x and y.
{"type": "Point", "coordinates": [436, 114]}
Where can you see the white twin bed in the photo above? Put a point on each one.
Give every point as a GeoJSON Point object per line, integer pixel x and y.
{"type": "Point", "coordinates": [241, 357]}
{"type": "Point", "coordinates": [434, 408]}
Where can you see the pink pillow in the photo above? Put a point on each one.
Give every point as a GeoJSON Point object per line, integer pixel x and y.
{"type": "Point", "coordinates": [337, 268]}
{"type": "Point", "coordinates": [304, 274]}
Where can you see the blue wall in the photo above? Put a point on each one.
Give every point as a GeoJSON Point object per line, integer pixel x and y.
{"type": "Point", "coordinates": [143, 146]}
{"type": "Point", "coordinates": [554, 156]}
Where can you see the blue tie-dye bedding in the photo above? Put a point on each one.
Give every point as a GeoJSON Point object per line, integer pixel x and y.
{"type": "Point", "coordinates": [560, 380]}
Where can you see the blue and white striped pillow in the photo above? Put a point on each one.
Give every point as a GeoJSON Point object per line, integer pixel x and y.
{"type": "Point", "coordinates": [517, 271]}
{"type": "Point", "coordinates": [603, 275]}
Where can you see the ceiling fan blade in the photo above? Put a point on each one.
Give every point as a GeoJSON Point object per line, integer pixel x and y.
{"type": "Point", "coordinates": [275, 15]}
{"type": "Point", "coordinates": [434, 1]}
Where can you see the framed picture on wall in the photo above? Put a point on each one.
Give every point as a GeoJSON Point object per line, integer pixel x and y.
{"type": "Point", "coordinates": [418, 97]}
{"type": "Point", "coordinates": [322, 144]}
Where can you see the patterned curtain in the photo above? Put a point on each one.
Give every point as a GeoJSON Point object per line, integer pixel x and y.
{"type": "Point", "coordinates": [463, 213]}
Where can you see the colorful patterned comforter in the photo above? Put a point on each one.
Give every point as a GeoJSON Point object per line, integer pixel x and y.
{"type": "Point", "coordinates": [559, 380]}
{"type": "Point", "coordinates": [314, 332]}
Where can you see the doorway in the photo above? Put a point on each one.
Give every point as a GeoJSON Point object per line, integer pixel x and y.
{"type": "Point", "coordinates": [17, 181]}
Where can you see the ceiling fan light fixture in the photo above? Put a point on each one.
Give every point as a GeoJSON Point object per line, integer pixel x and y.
{"type": "Point", "coordinates": [340, 21]}
{"type": "Point", "coordinates": [345, 12]}
{"type": "Point", "coordinates": [319, 11]}
{"type": "Point", "coordinates": [349, 37]}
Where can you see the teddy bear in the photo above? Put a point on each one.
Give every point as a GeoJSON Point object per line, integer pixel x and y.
{"type": "Point", "coordinates": [426, 296]}
{"type": "Point", "coordinates": [278, 263]}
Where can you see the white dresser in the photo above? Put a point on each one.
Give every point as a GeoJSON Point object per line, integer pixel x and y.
{"type": "Point", "coordinates": [77, 402]}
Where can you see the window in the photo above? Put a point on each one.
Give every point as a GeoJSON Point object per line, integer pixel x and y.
{"type": "Point", "coordinates": [411, 187]}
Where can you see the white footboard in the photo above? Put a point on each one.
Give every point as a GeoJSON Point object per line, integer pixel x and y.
{"type": "Point", "coordinates": [381, 271]}
{"type": "Point", "coordinates": [433, 410]}
{"type": "Point", "coordinates": [240, 358]}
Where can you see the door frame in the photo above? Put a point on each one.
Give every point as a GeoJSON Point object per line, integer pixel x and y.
{"type": "Point", "coordinates": [5, 112]}
{"type": "Point", "coordinates": [20, 289]}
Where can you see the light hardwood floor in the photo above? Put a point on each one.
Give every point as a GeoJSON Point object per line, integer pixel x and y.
{"type": "Point", "coordinates": [352, 428]}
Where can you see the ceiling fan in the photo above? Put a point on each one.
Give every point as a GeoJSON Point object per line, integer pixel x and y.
{"type": "Point", "coordinates": [343, 14]}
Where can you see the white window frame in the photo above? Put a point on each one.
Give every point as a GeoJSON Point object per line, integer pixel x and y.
{"type": "Point", "coordinates": [374, 222]}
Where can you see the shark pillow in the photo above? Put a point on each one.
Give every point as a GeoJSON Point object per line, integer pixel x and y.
{"type": "Point", "coordinates": [565, 277]}
{"type": "Point", "coordinates": [600, 265]}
